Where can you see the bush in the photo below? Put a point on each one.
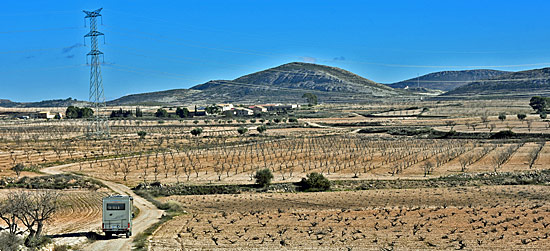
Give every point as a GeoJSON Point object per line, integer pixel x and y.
{"type": "Point", "coordinates": [18, 169]}
{"type": "Point", "coordinates": [172, 206]}
{"type": "Point", "coordinates": [141, 134]}
{"type": "Point", "coordinates": [502, 116]}
{"type": "Point", "coordinates": [196, 131]}
{"type": "Point", "coordinates": [242, 130]}
{"type": "Point", "coordinates": [261, 128]}
{"type": "Point", "coordinates": [161, 113]}
{"type": "Point", "coordinates": [263, 177]}
{"type": "Point", "coordinates": [10, 242]}
{"type": "Point", "coordinates": [506, 134]}
{"type": "Point", "coordinates": [315, 182]}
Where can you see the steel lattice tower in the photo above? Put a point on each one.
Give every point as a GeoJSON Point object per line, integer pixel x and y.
{"type": "Point", "coordinates": [99, 125]}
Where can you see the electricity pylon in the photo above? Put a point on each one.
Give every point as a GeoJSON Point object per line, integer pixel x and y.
{"type": "Point", "coordinates": [99, 125]}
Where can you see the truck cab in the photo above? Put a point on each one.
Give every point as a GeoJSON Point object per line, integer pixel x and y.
{"type": "Point", "coordinates": [117, 215]}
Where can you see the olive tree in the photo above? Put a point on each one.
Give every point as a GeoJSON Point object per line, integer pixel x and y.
{"type": "Point", "coordinates": [263, 177]}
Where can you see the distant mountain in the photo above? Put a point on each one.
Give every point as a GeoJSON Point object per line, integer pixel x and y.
{"type": "Point", "coordinates": [447, 80]}
{"type": "Point", "coordinates": [284, 84]}
{"type": "Point", "coordinates": [44, 103]}
{"type": "Point", "coordinates": [514, 84]}
{"type": "Point", "coordinates": [7, 103]}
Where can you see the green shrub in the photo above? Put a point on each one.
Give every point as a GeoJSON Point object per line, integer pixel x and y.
{"type": "Point", "coordinates": [196, 131]}
{"type": "Point", "coordinates": [18, 169]}
{"type": "Point", "coordinates": [261, 128]}
{"type": "Point", "coordinates": [242, 130]}
{"type": "Point", "coordinates": [172, 206]}
{"type": "Point", "coordinates": [506, 134]}
{"type": "Point", "coordinates": [263, 177]}
{"type": "Point", "coordinates": [10, 242]}
{"type": "Point", "coordinates": [315, 182]}
{"type": "Point", "coordinates": [141, 134]}
{"type": "Point", "coordinates": [502, 116]}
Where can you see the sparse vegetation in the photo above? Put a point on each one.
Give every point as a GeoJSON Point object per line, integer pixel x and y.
{"type": "Point", "coordinates": [263, 177]}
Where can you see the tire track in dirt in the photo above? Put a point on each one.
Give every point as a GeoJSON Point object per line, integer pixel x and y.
{"type": "Point", "coordinates": [149, 214]}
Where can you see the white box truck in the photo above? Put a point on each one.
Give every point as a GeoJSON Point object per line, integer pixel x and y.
{"type": "Point", "coordinates": [117, 215]}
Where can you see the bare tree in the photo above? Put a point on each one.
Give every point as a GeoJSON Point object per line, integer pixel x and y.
{"type": "Point", "coordinates": [33, 209]}
{"type": "Point", "coordinates": [427, 167]}
{"type": "Point", "coordinates": [464, 161]}
{"type": "Point", "coordinates": [485, 119]}
{"type": "Point", "coordinates": [18, 169]}
{"type": "Point", "coordinates": [9, 214]}
{"type": "Point", "coordinates": [529, 124]}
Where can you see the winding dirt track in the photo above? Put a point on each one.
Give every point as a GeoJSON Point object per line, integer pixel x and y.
{"type": "Point", "coordinates": [148, 215]}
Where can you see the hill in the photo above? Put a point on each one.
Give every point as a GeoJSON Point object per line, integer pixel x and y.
{"type": "Point", "coordinates": [515, 84]}
{"type": "Point", "coordinates": [447, 80]}
{"type": "Point", "coordinates": [44, 103]}
{"type": "Point", "coordinates": [283, 84]}
{"type": "Point", "coordinates": [7, 103]}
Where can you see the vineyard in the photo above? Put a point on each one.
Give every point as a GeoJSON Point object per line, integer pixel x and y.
{"type": "Point", "coordinates": [435, 218]}
{"type": "Point", "coordinates": [358, 145]}
{"type": "Point", "coordinates": [169, 153]}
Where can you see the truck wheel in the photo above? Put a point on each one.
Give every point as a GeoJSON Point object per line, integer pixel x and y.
{"type": "Point", "coordinates": [127, 234]}
{"type": "Point", "coordinates": [108, 234]}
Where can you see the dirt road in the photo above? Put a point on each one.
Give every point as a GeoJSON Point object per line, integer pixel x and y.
{"type": "Point", "coordinates": [148, 215]}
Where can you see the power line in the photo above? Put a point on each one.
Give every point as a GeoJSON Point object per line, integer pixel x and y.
{"type": "Point", "coordinates": [238, 51]}
{"type": "Point", "coordinates": [45, 68]}
{"type": "Point", "coordinates": [139, 70]}
{"type": "Point", "coordinates": [171, 58]}
{"type": "Point", "coordinates": [32, 50]}
{"type": "Point", "coordinates": [479, 80]}
{"type": "Point", "coordinates": [38, 30]}
{"type": "Point", "coordinates": [450, 66]}
{"type": "Point", "coordinates": [153, 36]}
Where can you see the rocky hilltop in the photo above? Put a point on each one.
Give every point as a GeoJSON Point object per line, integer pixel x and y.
{"type": "Point", "coordinates": [285, 84]}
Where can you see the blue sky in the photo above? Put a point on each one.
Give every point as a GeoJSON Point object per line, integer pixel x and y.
{"type": "Point", "coordinates": [161, 45]}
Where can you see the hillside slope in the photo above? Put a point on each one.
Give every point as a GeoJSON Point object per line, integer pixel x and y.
{"type": "Point", "coordinates": [44, 103]}
{"type": "Point", "coordinates": [447, 80]}
{"type": "Point", "coordinates": [514, 84]}
{"type": "Point", "coordinates": [285, 84]}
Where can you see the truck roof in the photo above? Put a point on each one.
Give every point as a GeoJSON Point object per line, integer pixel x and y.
{"type": "Point", "coordinates": [118, 196]}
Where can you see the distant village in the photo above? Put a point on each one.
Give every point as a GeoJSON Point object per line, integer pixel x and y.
{"type": "Point", "coordinates": [227, 110]}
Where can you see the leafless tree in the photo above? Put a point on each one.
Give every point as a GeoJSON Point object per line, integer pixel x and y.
{"type": "Point", "coordinates": [464, 161]}
{"type": "Point", "coordinates": [34, 209]}
{"type": "Point", "coordinates": [485, 119]}
{"type": "Point", "coordinates": [427, 167]}
{"type": "Point", "coordinates": [9, 214]}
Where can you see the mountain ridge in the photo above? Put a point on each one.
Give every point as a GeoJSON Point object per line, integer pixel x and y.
{"type": "Point", "coordinates": [514, 84]}
{"type": "Point", "coordinates": [447, 80]}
